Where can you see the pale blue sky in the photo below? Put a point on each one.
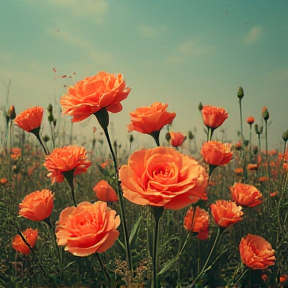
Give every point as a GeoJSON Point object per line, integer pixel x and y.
{"type": "Point", "coordinates": [176, 52]}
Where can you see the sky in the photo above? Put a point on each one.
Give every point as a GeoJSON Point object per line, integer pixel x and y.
{"type": "Point", "coordinates": [176, 52]}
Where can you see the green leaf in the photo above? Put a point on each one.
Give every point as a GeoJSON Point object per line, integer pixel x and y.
{"type": "Point", "coordinates": [168, 265]}
{"type": "Point", "coordinates": [69, 264]}
{"type": "Point", "coordinates": [133, 234]}
{"type": "Point", "coordinates": [121, 244]}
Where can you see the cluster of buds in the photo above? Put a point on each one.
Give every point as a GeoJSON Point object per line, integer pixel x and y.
{"type": "Point", "coordinates": [51, 118]}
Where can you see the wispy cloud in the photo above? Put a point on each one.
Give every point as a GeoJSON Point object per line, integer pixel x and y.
{"type": "Point", "coordinates": [189, 49]}
{"type": "Point", "coordinates": [149, 31]}
{"type": "Point", "coordinates": [253, 35]}
{"type": "Point", "coordinates": [84, 8]}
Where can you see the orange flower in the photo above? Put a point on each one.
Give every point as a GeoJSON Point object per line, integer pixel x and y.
{"type": "Point", "coordinates": [15, 153]}
{"type": "Point", "coordinates": [177, 139]}
{"type": "Point", "coordinates": [151, 118]}
{"type": "Point", "coordinates": [87, 228]}
{"type": "Point", "coordinates": [250, 120]}
{"type": "Point", "coordinates": [252, 167]}
{"type": "Point", "coordinates": [256, 252]}
{"type": "Point", "coordinates": [86, 97]}
{"type": "Point", "coordinates": [31, 237]}
{"type": "Point", "coordinates": [105, 192]}
{"type": "Point", "coordinates": [216, 153]}
{"type": "Point", "coordinates": [37, 205]}
{"type": "Point", "coordinates": [239, 171]}
{"type": "Point", "coordinates": [162, 176]}
{"type": "Point", "coordinates": [30, 119]}
{"type": "Point", "coordinates": [226, 213]}
{"type": "Point", "coordinates": [263, 179]}
{"type": "Point", "coordinates": [3, 181]}
{"type": "Point", "coordinates": [69, 158]}
{"type": "Point", "coordinates": [213, 117]}
{"type": "Point", "coordinates": [273, 194]}
{"type": "Point", "coordinates": [198, 223]}
{"type": "Point", "coordinates": [245, 195]}
{"type": "Point", "coordinates": [283, 278]}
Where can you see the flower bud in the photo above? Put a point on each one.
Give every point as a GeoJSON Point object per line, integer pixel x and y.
{"type": "Point", "coordinates": [50, 108]}
{"type": "Point", "coordinates": [265, 113]}
{"type": "Point", "coordinates": [200, 106]}
{"type": "Point", "coordinates": [11, 112]}
{"type": "Point", "coordinates": [50, 117]}
{"type": "Point", "coordinates": [131, 138]}
{"type": "Point", "coordinates": [250, 120]}
{"type": "Point", "coordinates": [168, 136]}
{"type": "Point", "coordinates": [46, 138]}
{"type": "Point", "coordinates": [190, 135]}
{"type": "Point", "coordinates": [240, 93]}
{"type": "Point", "coordinates": [258, 129]}
{"type": "Point", "coordinates": [285, 136]}
{"type": "Point", "coordinates": [54, 122]}
{"type": "Point", "coordinates": [246, 143]}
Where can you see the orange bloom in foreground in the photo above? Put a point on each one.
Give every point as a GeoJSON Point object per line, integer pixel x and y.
{"type": "Point", "coordinates": [86, 97]}
{"type": "Point", "coordinates": [31, 237]}
{"type": "Point", "coordinates": [216, 153]}
{"type": "Point", "coordinates": [226, 213]}
{"type": "Point", "coordinates": [256, 252]}
{"type": "Point", "coordinates": [30, 119]}
{"type": "Point", "coordinates": [198, 223]}
{"type": "Point", "coordinates": [177, 139]}
{"type": "Point", "coordinates": [69, 158]}
{"type": "Point", "coordinates": [87, 228]}
{"type": "Point", "coordinates": [105, 192]}
{"type": "Point", "coordinates": [213, 117]}
{"type": "Point", "coordinates": [245, 195]}
{"type": "Point", "coordinates": [162, 176]}
{"type": "Point", "coordinates": [151, 118]}
{"type": "Point", "coordinates": [37, 205]}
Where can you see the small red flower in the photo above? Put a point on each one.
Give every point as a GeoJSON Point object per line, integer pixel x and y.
{"type": "Point", "coordinates": [31, 237]}
{"type": "Point", "coordinates": [226, 213]}
{"type": "Point", "coordinates": [250, 120]}
{"type": "Point", "coordinates": [30, 119]}
{"type": "Point", "coordinates": [213, 117]}
{"type": "Point", "coordinates": [105, 192]}
{"type": "Point", "coordinates": [177, 139]}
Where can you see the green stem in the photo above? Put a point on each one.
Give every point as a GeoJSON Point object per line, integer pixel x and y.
{"type": "Point", "coordinates": [209, 256]}
{"type": "Point", "coordinates": [245, 271]}
{"type": "Point", "coordinates": [69, 177]}
{"type": "Point", "coordinates": [37, 134]}
{"type": "Point", "coordinates": [107, 276]}
{"type": "Point", "coordinates": [259, 153]}
{"type": "Point", "coordinates": [121, 204]}
{"type": "Point", "coordinates": [52, 134]}
{"type": "Point", "coordinates": [241, 122]}
{"type": "Point", "coordinates": [155, 135]}
{"type": "Point", "coordinates": [250, 148]}
{"type": "Point", "coordinates": [267, 156]}
{"type": "Point", "coordinates": [210, 133]}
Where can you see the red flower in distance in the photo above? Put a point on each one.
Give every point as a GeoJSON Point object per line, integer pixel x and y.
{"type": "Point", "coordinates": [213, 117]}
{"type": "Point", "coordinates": [105, 192]}
{"type": "Point", "coordinates": [87, 228]}
{"type": "Point", "coordinates": [198, 223]}
{"type": "Point", "coordinates": [245, 195]}
{"type": "Point", "coordinates": [216, 153]}
{"type": "Point", "coordinates": [162, 176]}
{"type": "Point", "coordinates": [30, 119]}
{"type": "Point", "coordinates": [250, 120]}
{"type": "Point", "coordinates": [88, 96]}
{"type": "Point", "coordinates": [68, 158]}
{"type": "Point", "coordinates": [177, 139]}
{"type": "Point", "coordinates": [37, 205]}
{"type": "Point", "coordinates": [226, 213]}
{"type": "Point", "coordinates": [30, 236]}
{"type": "Point", "coordinates": [152, 118]}
{"type": "Point", "coordinates": [256, 252]}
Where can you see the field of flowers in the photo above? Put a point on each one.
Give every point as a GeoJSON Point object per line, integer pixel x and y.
{"type": "Point", "coordinates": [72, 216]}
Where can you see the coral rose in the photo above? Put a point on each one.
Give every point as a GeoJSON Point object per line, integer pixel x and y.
{"type": "Point", "coordinates": [213, 117]}
{"type": "Point", "coordinates": [250, 120]}
{"type": "Point", "coordinates": [88, 96]}
{"type": "Point", "coordinates": [198, 223]}
{"type": "Point", "coordinates": [30, 119]}
{"type": "Point", "coordinates": [149, 119]}
{"type": "Point", "coordinates": [30, 236]}
{"type": "Point", "coordinates": [162, 176]}
{"type": "Point", "coordinates": [216, 153]}
{"type": "Point", "coordinates": [37, 206]}
{"type": "Point", "coordinates": [226, 213]}
{"type": "Point", "coordinates": [69, 158]}
{"type": "Point", "coordinates": [177, 138]}
{"type": "Point", "coordinates": [256, 252]}
{"type": "Point", "coordinates": [87, 228]}
{"type": "Point", "coordinates": [105, 192]}
{"type": "Point", "coordinates": [245, 195]}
